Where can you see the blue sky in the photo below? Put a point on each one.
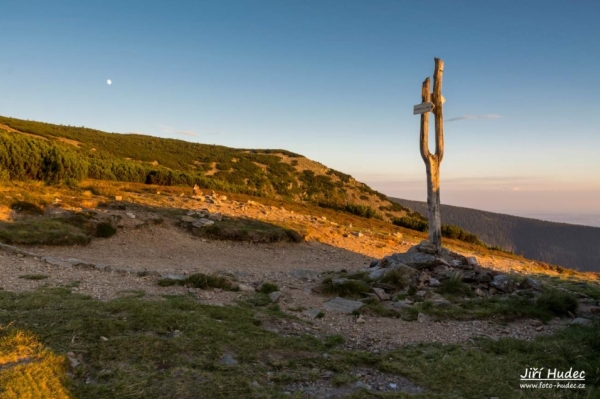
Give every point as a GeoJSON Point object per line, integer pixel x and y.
{"type": "Point", "coordinates": [335, 81]}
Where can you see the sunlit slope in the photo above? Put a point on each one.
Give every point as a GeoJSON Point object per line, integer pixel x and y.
{"type": "Point", "coordinates": [146, 159]}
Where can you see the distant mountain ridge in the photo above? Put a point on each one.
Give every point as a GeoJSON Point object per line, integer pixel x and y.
{"type": "Point", "coordinates": [573, 246]}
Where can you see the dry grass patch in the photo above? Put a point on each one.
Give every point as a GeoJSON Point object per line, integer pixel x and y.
{"type": "Point", "coordinates": [28, 370]}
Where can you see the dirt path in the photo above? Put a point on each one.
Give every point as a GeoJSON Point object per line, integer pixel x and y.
{"type": "Point", "coordinates": [295, 268]}
{"type": "Point", "coordinates": [169, 249]}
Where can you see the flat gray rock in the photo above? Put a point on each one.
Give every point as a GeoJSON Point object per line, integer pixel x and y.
{"type": "Point", "coordinates": [312, 313]}
{"type": "Point", "coordinates": [581, 321]}
{"type": "Point", "coordinates": [342, 305]}
{"type": "Point", "coordinates": [417, 260]}
{"type": "Point", "coordinates": [228, 360]}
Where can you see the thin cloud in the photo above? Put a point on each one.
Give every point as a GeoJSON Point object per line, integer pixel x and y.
{"type": "Point", "coordinates": [486, 116]}
{"type": "Point", "coordinates": [172, 130]}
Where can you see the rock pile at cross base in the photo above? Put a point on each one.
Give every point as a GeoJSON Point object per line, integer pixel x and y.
{"type": "Point", "coordinates": [424, 268]}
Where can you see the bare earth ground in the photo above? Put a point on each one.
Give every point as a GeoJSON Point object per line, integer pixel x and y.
{"type": "Point", "coordinates": [169, 249]}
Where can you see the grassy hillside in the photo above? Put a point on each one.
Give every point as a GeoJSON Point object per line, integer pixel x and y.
{"type": "Point", "coordinates": [41, 151]}
{"type": "Point", "coordinates": [573, 246]}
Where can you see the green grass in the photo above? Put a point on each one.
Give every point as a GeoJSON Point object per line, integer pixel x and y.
{"type": "Point", "coordinates": [42, 231]}
{"type": "Point", "coordinates": [267, 288]}
{"type": "Point", "coordinates": [171, 348]}
{"type": "Point", "coordinates": [244, 229]}
{"type": "Point", "coordinates": [201, 280]}
{"type": "Point", "coordinates": [492, 368]}
{"type": "Point", "coordinates": [71, 228]}
{"type": "Point", "coordinates": [349, 288]}
{"type": "Point", "coordinates": [552, 303]}
{"type": "Point", "coordinates": [105, 230]}
{"type": "Point", "coordinates": [454, 286]}
{"type": "Point", "coordinates": [397, 278]}
{"type": "Point", "coordinates": [559, 303]}
{"type": "Point", "coordinates": [34, 277]}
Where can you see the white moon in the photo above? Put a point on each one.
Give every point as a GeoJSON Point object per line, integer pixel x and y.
{"type": "Point", "coordinates": [109, 82]}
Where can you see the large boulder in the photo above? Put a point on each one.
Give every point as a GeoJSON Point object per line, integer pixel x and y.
{"type": "Point", "coordinates": [530, 283]}
{"type": "Point", "coordinates": [503, 283]}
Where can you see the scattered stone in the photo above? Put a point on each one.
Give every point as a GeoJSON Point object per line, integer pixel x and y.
{"type": "Point", "coordinates": [246, 288]}
{"type": "Point", "coordinates": [374, 263]}
{"type": "Point", "coordinates": [503, 283]}
{"type": "Point", "coordinates": [130, 215]}
{"type": "Point", "coordinates": [594, 309]}
{"type": "Point", "coordinates": [228, 360]}
{"type": "Point", "coordinates": [442, 262]}
{"type": "Point", "coordinates": [102, 267]}
{"type": "Point", "coordinates": [274, 296]}
{"type": "Point", "coordinates": [104, 339]}
{"type": "Point", "coordinates": [434, 282]}
{"type": "Point", "coordinates": [381, 294]}
{"type": "Point", "coordinates": [357, 233]}
{"type": "Point", "coordinates": [312, 313]}
{"type": "Point", "coordinates": [483, 277]}
{"type": "Point", "coordinates": [303, 274]}
{"type": "Point", "coordinates": [421, 293]}
{"type": "Point", "coordinates": [359, 384]}
{"type": "Point", "coordinates": [342, 305]}
{"type": "Point", "coordinates": [73, 361]}
{"type": "Point", "coordinates": [441, 302]}
{"type": "Point", "coordinates": [423, 318]}
{"type": "Point", "coordinates": [216, 216]}
{"type": "Point", "coordinates": [402, 304]}
{"type": "Point", "coordinates": [377, 273]}
{"type": "Point", "coordinates": [530, 283]}
{"type": "Point", "coordinates": [581, 321]}
{"type": "Point", "coordinates": [540, 328]}
{"type": "Point", "coordinates": [202, 222]}
{"type": "Point", "coordinates": [360, 319]}
{"type": "Point", "coordinates": [173, 277]}
{"type": "Point", "coordinates": [56, 262]}
{"type": "Point", "coordinates": [537, 323]}
{"type": "Point", "coordinates": [188, 219]}
{"type": "Point", "coordinates": [174, 334]}
{"type": "Point", "coordinates": [472, 261]}
{"type": "Point", "coordinates": [387, 287]}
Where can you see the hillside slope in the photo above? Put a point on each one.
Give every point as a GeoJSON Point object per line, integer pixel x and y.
{"type": "Point", "coordinates": [38, 150]}
{"type": "Point", "coordinates": [573, 246]}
